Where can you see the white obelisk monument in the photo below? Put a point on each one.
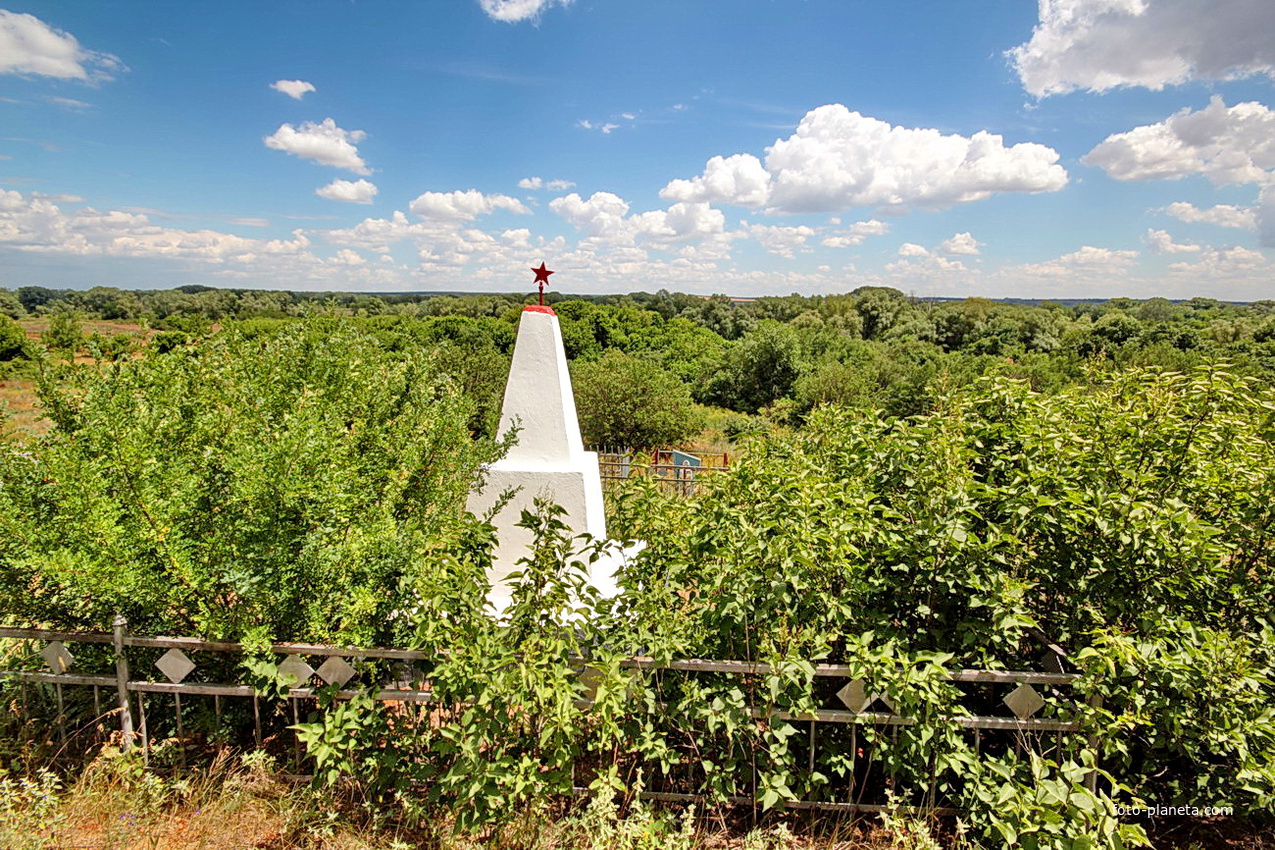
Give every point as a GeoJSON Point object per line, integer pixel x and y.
{"type": "Point", "coordinates": [548, 460]}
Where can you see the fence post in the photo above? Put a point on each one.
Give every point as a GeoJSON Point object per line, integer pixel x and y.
{"type": "Point", "coordinates": [121, 680]}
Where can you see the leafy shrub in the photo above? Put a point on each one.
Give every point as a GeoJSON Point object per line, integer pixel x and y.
{"type": "Point", "coordinates": [64, 333]}
{"type": "Point", "coordinates": [628, 401]}
{"type": "Point", "coordinates": [13, 341]}
{"type": "Point", "coordinates": [287, 485]}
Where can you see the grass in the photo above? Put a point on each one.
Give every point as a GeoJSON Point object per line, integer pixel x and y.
{"type": "Point", "coordinates": [17, 396]}
{"type": "Point", "coordinates": [245, 802]}
{"type": "Point", "coordinates": [17, 388]}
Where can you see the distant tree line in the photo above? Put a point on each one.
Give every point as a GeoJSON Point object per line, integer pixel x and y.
{"type": "Point", "coordinates": [650, 358]}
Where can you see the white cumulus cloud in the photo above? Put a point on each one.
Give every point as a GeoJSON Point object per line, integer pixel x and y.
{"type": "Point", "coordinates": [463, 205]}
{"type": "Point", "coordinates": [1223, 215]}
{"type": "Point", "coordinates": [960, 243]}
{"type": "Point", "coordinates": [604, 218]}
{"type": "Point", "coordinates": [856, 235]}
{"type": "Point", "coordinates": [739, 179]}
{"type": "Point", "coordinates": [603, 213]}
{"type": "Point", "coordinates": [350, 191]}
{"type": "Point", "coordinates": [1161, 242]}
{"type": "Point", "coordinates": [295, 89]}
{"type": "Point", "coordinates": [325, 143]}
{"type": "Point", "coordinates": [1228, 145]}
{"type": "Point", "coordinates": [1088, 260]}
{"type": "Point", "coordinates": [780, 241]}
{"type": "Point", "coordinates": [518, 10]}
{"type": "Point", "coordinates": [911, 249]}
{"type": "Point", "coordinates": [838, 159]}
{"type": "Point", "coordinates": [30, 46]}
{"type": "Point", "coordinates": [1103, 44]}
{"type": "Point", "coordinates": [1231, 262]}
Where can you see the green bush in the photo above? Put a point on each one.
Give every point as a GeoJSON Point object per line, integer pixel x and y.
{"type": "Point", "coordinates": [13, 341]}
{"type": "Point", "coordinates": [289, 485]}
{"type": "Point", "coordinates": [64, 333]}
{"type": "Point", "coordinates": [628, 401]}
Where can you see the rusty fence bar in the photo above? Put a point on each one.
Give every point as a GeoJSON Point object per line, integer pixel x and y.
{"type": "Point", "coordinates": [1023, 701]}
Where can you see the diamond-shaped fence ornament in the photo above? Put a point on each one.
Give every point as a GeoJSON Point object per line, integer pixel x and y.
{"type": "Point", "coordinates": [295, 672]}
{"type": "Point", "coordinates": [335, 671]}
{"type": "Point", "coordinates": [175, 665]}
{"type": "Point", "coordinates": [1024, 701]}
{"type": "Point", "coordinates": [57, 656]}
{"type": "Point", "coordinates": [855, 698]}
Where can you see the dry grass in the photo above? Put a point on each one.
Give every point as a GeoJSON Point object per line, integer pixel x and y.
{"type": "Point", "coordinates": [232, 805]}
{"type": "Point", "coordinates": [17, 396]}
{"type": "Point", "coordinates": [236, 803]}
{"type": "Point", "coordinates": [35, 327]}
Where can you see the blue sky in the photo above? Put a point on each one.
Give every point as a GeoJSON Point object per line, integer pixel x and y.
{"type": "Point", "coordinates": [1081, 148]}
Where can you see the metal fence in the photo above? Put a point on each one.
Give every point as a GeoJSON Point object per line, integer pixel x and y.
{"type": "Point", "coordinates": [1007, 708]}
{"type": "Point", "coordinates": [675, 472]}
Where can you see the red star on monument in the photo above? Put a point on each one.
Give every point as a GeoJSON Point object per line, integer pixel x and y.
{"type": "Point", "coordinates": [542, 278]}
{"type": "Point", "coordinates": [542, 274]}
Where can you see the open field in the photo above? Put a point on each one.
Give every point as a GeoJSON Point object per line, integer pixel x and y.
{"type": "Point", "coordinates": [17, 396]}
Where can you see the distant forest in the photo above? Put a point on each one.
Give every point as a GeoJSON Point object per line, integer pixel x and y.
{"type": "Point", "coordinates": [665, 364]}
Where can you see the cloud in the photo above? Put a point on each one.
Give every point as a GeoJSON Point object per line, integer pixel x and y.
{"type": "Point", "coordinates": [353, 192]}
{"type": "Point", "coordinates": [1234, 262]}
{"type": "Point", "coordinates": [838, 159]}
{"type": "Point", "coordinates": [780, 241]}
{"type": "Point", "coordinates": [513, 11]}
{"type": "Point", "coordinates": [463, 206]}
{"type": "Point", "coordinates": [604, 128]}
{"type": "Point", "coordinates": [37, 224]}
{"type": "Point", "coordinates": [378, 234]}
{"type": "Point", "coordinates": [1228, 145]}
{"type": "Point", "coordinates": [856, 235]}
{"type": "Point", "coordinates": [602, 214]}
{"type": "Point", "coordinates": [295, 89]}
{"type": "Point", "coordinates": [1104, 44]}
{"type": "Point", "coordinates": [325, 143]}
{"type": "Point", "coordinates": [1266, 217]}
{"type": "Point", "coordinates": [69, 103]}
{"type": "Point", "coordinates": [30, 46]}
{"type": "Point", "coordinates": [924, 270]}
{"type": "Point", "coordinates": [961, 243]}
{"type": "Point", "coordinates": [911, 249]}
{"type": "Point", "coordinates": [535, 183]}
{"type": "Point", "coordinates": [604, 220]}
{"type": "Point", "coordinates": [1223, 215]}
{"type": "Point", "coordinates": [1161, 242]}
{"type": "Point", "coordinates": [1088, 260]}
{"type": "Point", "coordinates": [740, 179]}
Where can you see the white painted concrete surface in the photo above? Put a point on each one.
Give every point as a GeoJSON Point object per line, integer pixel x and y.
{"type": "Point", "coordinates": [548, 460]}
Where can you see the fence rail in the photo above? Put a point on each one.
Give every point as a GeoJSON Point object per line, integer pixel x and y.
{"type": "Point", "coordinates": [857, 707]}
{"type": "Point", "coordinates": [674, 472]}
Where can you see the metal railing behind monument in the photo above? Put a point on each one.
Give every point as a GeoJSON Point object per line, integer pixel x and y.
{"type": "Point", "coordinates": [675, 471]}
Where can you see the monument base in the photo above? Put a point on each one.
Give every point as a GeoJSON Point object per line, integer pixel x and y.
{"type": "Point", "coordinates": [578, 491]}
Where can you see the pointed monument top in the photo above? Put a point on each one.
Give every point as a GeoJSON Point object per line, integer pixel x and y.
{"type": "Point", "coordinates": [538, 397]}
